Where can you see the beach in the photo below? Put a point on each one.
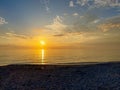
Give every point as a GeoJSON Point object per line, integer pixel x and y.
{"type": "Point", "coordinates": [59, 44]}
{"type": "Point", "coordinates": [99, 76]}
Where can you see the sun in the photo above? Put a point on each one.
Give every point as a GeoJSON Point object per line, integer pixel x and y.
{"type": "Point", "coordinates": [42, 42]}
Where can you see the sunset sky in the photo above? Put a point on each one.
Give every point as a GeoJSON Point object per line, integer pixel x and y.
{"type": "Point", "coordinates": [60, 23]}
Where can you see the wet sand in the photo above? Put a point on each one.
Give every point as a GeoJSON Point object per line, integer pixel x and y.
{"type": "Point", "coordinates": [103, 76]}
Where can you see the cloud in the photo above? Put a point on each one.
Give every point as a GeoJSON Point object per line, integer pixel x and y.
{"type": "Point", "coordinates": [82, 2]}
{"type": "Point", "coordinates": [10, 35]}
{"type": "Point", "coordinates": [4, 37]}
{"type": "Point", "coordinates": [85, 23]}
{"type": "Point", "coordinates": [2, 21]}
{"type": "Point", "coordinates": [107, 3]}
{"type": "Point", "coordinates": [89, 17]}
{"type": "Point", "coordinates": [59, 35]}
{"type": "Point", "coordinates": [96, 21]}
{"type": "Point", "coordinates": [71, 4]}
{"type": "Point", "coordinates": [17, 35]}
{"type": "Point", "coordinates": [98, 3]}
{"type": "Point", "coordinates": [57, 26]}
{"type": "Point", "coordinates": [75, 14]}
{"type": "Point", "coordinates": [47, 8]}
{"type": "Point", "coordinates": [77, 28]}
{"type": "Point", "coordinates": [110, 24]}
{"type": "Point", "coordinates": [46, 4]}
{"type": "Point", "coordinates": [83, 28]}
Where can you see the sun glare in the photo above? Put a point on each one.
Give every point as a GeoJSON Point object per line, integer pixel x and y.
{"type": "Point", "coordinates": [42, 42]}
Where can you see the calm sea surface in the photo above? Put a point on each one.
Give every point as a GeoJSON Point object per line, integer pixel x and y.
{"type": "Point", "coordinates": [55, 56]}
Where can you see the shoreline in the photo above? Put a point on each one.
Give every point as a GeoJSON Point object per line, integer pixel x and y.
{"type": "Point", "coordinates": [100, 76]}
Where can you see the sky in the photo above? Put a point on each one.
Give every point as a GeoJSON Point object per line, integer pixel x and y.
{"type": "Point", "coordinates": [60, 23]}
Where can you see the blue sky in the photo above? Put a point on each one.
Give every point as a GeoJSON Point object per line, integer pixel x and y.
{"type": "Point", "coordinates": [59, 21]}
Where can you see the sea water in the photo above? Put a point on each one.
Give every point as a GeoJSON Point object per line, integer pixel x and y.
{"type": "Point", "coordinates": [56, 56]}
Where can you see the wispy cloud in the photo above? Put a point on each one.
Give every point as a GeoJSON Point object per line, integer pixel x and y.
{"type": "Point", "coordinates": [86, 23]}
{"type": "Point", "coordinates": [71, 4]}
{"type": "Point", "coordinates": [107, 3]}
{"type": "Point", "coordinates": [45, 3]}
{"type": "Point", "coordinates": [10, 35]}
{"type": "Point", "coordinates": [96, 21]}
{"type": "Point", "coordinates": [110, 24]}
{"type": "Point", "coordinates": [98, 3]}
{"type": "Point", "coordinates": [59, 35]}
{"type": "Point", "coordinates": [84, 28]}
{"type": "Point", "coordinates": [2, 21]}
{"type": "Point", "coordinates": [4, 37]}
{"type": "Point", "coordinates": [82, 2]}
{"type": "Point", "coordinates": [57, 26]}
{"type": "Point", "coordinates": [17, 35]}
{"type": "Point", "coordinates": [75, 14]}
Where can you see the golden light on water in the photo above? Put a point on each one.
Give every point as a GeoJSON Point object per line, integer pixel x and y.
{"type": "Point", "coordinates": [42, 56]}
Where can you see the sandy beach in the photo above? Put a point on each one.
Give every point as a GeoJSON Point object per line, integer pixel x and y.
{"type": "Point", "coordinates": [104, 76]}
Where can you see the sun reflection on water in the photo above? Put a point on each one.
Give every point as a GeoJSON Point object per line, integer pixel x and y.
{"type": "Point", "coordinates": [42, 56]}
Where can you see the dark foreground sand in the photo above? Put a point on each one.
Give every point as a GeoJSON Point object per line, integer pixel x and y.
{"type": "Point", "coordinates": [61, 77]}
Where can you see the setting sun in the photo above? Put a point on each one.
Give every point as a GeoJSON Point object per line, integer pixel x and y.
{"type": "Point", "coordinates": [42, 42]}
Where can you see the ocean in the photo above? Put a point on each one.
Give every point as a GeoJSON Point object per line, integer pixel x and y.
{"type": "Point", "coordinates": [57, 56]}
